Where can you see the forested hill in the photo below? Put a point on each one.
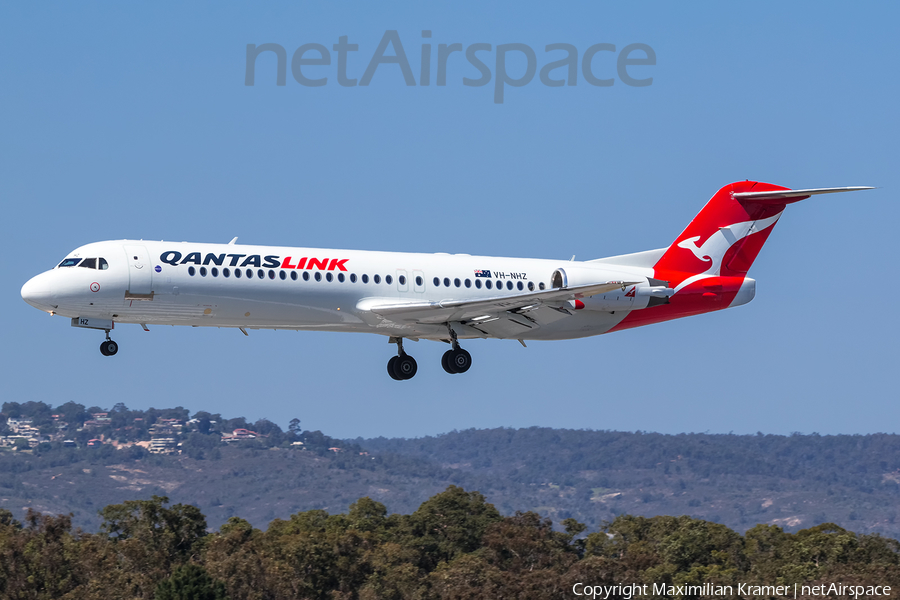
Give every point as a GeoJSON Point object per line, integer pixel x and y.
{"type": "Point", "coordinates": [72, 459]}
{"type": "Point", "coordinates": [793, 481]}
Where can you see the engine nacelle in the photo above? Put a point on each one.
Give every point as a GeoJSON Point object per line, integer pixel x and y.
{"type": "Point", "coordinates": [649, 292]}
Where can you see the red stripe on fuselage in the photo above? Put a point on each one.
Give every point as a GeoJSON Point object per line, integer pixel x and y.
{"type": "Point", "coordinates": [707, 295]}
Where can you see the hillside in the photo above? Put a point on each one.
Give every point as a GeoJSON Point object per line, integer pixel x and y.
{"type": "Point", "coordinates": [793, 481]}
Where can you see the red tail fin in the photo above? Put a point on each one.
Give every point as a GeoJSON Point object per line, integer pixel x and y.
{"type": "Point", "coordinates": [707, 263]}
{"type": "Point", "coordinates": [725, 237]}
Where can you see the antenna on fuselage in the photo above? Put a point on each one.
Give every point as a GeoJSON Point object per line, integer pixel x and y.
{"type": "Point", "coordinates": [231, 243]}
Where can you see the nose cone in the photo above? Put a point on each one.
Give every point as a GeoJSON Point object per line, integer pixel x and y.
{"type": "Point", "coordinates": [37, 292]}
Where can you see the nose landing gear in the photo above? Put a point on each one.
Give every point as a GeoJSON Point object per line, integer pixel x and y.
{"type": "Point", "coordinates": [108, 347]}
{"type": "Point", "coordinates": [403, 366]}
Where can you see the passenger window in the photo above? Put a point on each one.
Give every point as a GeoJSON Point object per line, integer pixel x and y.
{"type": "Point", "coordinates": [365, 278]}
{"type": "Point", "coordinates": [341, 277]}
{"type": "Point", "coordinates": [227, 273]}
{"type": "Point", "coordinates": [249, 273]}
{"type": "Point", "coordinates": [237, 273]}
{"type": "Point", "coordinates": [488, 284]}
{"type": "Point", "coordinates": [89, 263]}
{"type": "Point", "coordinates": [530, 286]}
{"type": "Point", "coordinates": [402, 280]}
{"type": "Point", "coordinates": [388, 279]}
{"type": "Point", "coordinates": [283, 275]}
{"type": "Point", "coordinates": [305, 275]}
{"type": "Point", "coordinates": [437, 282]}
{"type": "Point", "coordinates": [329, 277]}
{"type": "Point", "coordinates": [318, 276]}
{"type": "Point", "coordinates": [261, 274]}
{"type": "Point", "coordinates": [271, 274]}
{"type": "Point", "coordinates": [509, 285]}
{"type": "Point", "coordinates": [541, 285]}
{"type": "Point", "coordinates": [419, 281]}
{"type": "Point", "coordinates": [468, 283]}
{"type": "Point", "coordinates": [202, 271]}
{"type": "Point", "coordinates": [456, 282]}
{"type": "Point", "coordinates": [191, 271]}
{"type": "Point", "coordinates": [293, 275]}
{"type": "Point", "coordinates": [103, 264]}
{"type": "Point", "coordinates": [478, 283]}
{"type": "Point", "coordinates": [447, 281]}
{"type": "Point", "coordinates": [214, 271]}
{"type": "Point", "coordinates": [520, 285]}
{"type": "Point", "coordinates": [352, 277]}
{"type": "Point", "coordinates": [376, 278]}
{"type": "Point", "coordinates": [69, 262]}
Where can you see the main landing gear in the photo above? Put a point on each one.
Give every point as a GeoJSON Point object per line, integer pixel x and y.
{"type": "Point", "coordinates": [456, 360]}
{"type": "Point", "coordinates": [108, 347]}
{"type": "Point", "coordinates": [403, 366]}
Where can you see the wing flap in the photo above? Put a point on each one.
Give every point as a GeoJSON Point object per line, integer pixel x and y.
{"type": "Point", "coordinates": [472, 309]}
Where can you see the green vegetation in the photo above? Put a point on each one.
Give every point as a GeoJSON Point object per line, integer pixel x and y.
{"type": "Point", "coordinates": [793, 482]}
{"type": "Point", "coordinates": [455, 545]}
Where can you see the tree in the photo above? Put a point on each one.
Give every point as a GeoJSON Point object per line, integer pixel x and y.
{"type": "Point", "coordinates": [190, 582]}
{"type": "Point", "coordinates": [452, 522]}
{"type": "Point", "coordinates": [294, 427]}
{"type": "Point", "coordinates": [172, 531]}
{"type": "Point", "coordinates": [12, 410]}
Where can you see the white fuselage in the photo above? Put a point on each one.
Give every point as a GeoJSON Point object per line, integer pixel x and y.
{"type": "Point", "coordinates": [266, 287]}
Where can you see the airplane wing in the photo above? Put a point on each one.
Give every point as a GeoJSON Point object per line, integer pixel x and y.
{"type": "Point", "coordinates": [525, 310]}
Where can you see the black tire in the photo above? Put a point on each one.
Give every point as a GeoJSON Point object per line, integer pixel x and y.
{"type": "Point", "coordinates": [391, 370]}
{"type": "Point", "coordinates": [445, 362]}
{"type": "Point", "coordinates": [103, 348]}
{"type": "Point", "coordinates": [405, 367]}
{"type": "Point", "coordinates": [111, 347]}
{"type": "Point", "coordinates": [460, 361]}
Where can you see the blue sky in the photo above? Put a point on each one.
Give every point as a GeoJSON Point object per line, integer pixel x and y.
{"type": "Point", "coordinates": [132, 120]}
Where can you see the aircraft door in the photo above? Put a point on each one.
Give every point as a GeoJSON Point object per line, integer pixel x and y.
{"type": "Point", "coordinates": [402, 281]}
{"type": "Point", "coordinates": [418, 281]}
{"type": "Point", "coordinates": [139, 270]}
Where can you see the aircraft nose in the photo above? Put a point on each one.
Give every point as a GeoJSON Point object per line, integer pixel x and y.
{"type": "Point", "coordinates": [37, 292]}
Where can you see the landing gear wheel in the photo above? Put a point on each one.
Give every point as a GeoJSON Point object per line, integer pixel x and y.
{"type": "Point", "coordinates": [391, 371]}
{"type": "Point", "coordinates": [456, 361]}
{"type": "Point", "coordinates": [109, 348]}
{"type": "Point", "coordinates": [405, 367]}
{"type": "Point", "coordinates": [445, 362]}
{"type": "Point", "coordinates": [459, 360]}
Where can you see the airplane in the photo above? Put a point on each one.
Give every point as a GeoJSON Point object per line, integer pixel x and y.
{"type": "Point", "coordinates": [408, 296]}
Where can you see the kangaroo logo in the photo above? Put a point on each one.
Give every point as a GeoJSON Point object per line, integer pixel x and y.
{"type": "Point", "coordinates": [691, 244]}
{"type": "Point", "coordinates": [713, 250]}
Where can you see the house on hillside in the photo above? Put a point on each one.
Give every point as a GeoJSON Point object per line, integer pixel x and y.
{"type": "Point", "coordinates": [164, 445]}
{"type": "Point", "coordinates": [240, 434]}
{"type": "Point", "coordinates": [15, 425]}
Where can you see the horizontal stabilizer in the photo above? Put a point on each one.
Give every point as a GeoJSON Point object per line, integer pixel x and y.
{"type": "Point", "coordinates": [777, 196]}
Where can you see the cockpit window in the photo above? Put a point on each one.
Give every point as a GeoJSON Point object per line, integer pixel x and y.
{"type": "Point", "coordinates": [89, 263]}
{"type": "Point", "coordinates": [70, 262]}
{"type": "Point", "coordinates": [103, 264]}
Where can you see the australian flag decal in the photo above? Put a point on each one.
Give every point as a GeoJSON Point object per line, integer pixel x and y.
{"type": "Point", "coordinates": [482, 273]}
